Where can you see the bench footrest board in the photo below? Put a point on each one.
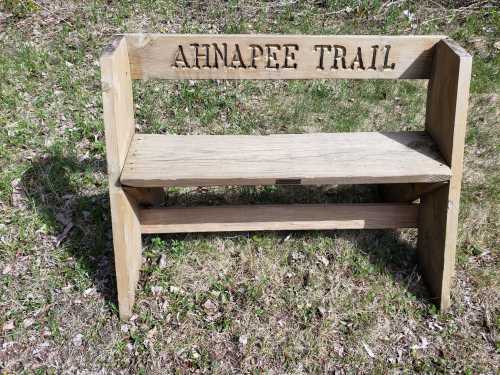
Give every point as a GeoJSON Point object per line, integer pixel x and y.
{"type": "Point", "coordinates": [308, 159]}
{"type": "Point", "coordinates": [278, 217]}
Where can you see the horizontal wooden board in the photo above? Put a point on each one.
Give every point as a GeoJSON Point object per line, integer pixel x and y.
{"type": "Point", "coordinates": [278, 217]}
{"type": "Point", "coordinates": [309, 159]}
{"type": "Point", "coordinates": [258, 56]}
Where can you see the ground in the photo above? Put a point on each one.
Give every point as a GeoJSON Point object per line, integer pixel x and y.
{"type": "Point", "coordinates": [284, 302]}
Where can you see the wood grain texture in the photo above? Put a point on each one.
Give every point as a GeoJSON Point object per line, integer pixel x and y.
{"type": "Point", "coordinates": [118, 104]}
{"type": "Point", "coordinates": [278, 217]}
{"type": "Point", "coordinates": [445, 122]}
{"type": "Point", "coordinates": [320, 158]}
{"type": "Point", "coordinates": [119, 128]}
{"type": "Point", "coordinates": [263, 56]}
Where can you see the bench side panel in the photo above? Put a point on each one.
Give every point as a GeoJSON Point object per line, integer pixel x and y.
{"type": "Point", "coordinates": [447, 103]}
{"type": "Point", "coordinates": [119, 127]}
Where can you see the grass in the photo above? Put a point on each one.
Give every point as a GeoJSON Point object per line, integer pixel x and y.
{"type": "Point", "coordinates": [283, 302]}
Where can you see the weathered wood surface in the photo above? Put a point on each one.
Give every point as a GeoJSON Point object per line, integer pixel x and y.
{"type": "Point", "coordinates": [278, 217]}
{"type": "Point", "coordinates": [177, 56]}
{"type": "Point", "coordinates": [119, 128]}
{"type": "Point", "coordinates": [319, 158]}
{"type": "Point", "coordinates": [447, 103]}
{"type": "Point", "coordinates": [118, 105]}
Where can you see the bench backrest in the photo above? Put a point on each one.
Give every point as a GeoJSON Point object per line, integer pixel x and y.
{"type": "Point", "coordinates": [279, 56]}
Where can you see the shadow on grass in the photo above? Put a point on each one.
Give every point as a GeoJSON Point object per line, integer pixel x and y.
{"type": "Point", "coordinates": [62, 191]}
{"type": "Point", "coordinates": [386, 250]}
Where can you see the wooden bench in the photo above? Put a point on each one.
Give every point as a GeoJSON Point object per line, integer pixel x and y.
{"type": "Point", "coordinates": [408, 165]}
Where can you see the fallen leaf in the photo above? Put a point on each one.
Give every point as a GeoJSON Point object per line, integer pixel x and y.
{"type": "Point", "coordinates": [7, 269]}
{"type": "Point", "coordinates": [67, 287]}
{"type": "Point", "coordinates": [134, 317]}
{"type": "Point", "coordinates": [28, 322]}
{"type": "Point", "coordinates": [60, 238]}
{"type": "Point", "coordinates": [243, 340]}
{"type": "Point", "coordinates": [156, 290]}
{"type": "Point", "coordinates": [287, 238]}
{"type": "Point", "coordinates": [423, 344]}
{"type": "Point", "coordinates": [209, 306]}
{"type": "Point", "coordinates": [323, 260]}
{"type": "Point", "coordinates": [368, 350]}
{"type": "Point", "coordinates": [339, 349]}
{"type": "Point", "coordinates": [63, 218]}
{"type": "Point", "coordinates": [195, 354]}
{"type": "Point", "coordinates": [17, 193]}
{"type": "Point", "coordinates": [8, 325]}
{"type": "Point", "coordinates": [322, 310]}
{"type": "Point", "coordinates": [151, 333]}
{"type": "Point", "coordinates": [78, 339]}
{"type": "Point", "coordinates": [174, 289]}
{"type": "Point", "coordinates": [163, 261]}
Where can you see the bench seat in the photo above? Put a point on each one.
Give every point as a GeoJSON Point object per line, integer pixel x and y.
{"type": "Point", "coordinates": [319, 158]}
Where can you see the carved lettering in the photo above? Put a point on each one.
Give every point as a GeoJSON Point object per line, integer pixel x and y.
{"type": "Point", "coordinates": [374, 58]}
{"type": "Point", "coordinates": [386, 59]}
{"type": "Point", "coordinates": [246, 56]}
{"type": "Point", "coordinates": [322, 48]}
{"type": "Point", "coordinates": [237, 60]}
{"type": "Point", "coordinates": [218, 53]}
{"type": "Point", "coordinates": [272, 57]}
{"type": "Point", "coordinates": [357, 63]}
{"type": "Point", "coordinates": [198, 55]}
{"type": "Point", "coordinates": [339, 54]}
{"type": "Point", "coordinates": [257, 51]}
{"type": "Point", "coordinates": [180, 58]}
{"type": "Point", "coordinates": [290, 56]}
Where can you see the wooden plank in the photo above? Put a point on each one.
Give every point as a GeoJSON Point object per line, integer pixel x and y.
{"type": "Point", "coordinates": [445, 121]}
{"type": "Point", "coordinates": [119, 128]}
{"type": "Point", "coordinates": [337, 158]}
{"type": "Point", "coordinates": [202, 56]}
{"type": "Point", "coordinates": [278, 217]}
{"type": "Point", "coordinates": [118, 104]}
{"type": "Point", "coordinates": [447, 101]}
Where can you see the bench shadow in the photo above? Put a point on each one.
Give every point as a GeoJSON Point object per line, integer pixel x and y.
{"type": "Point", "coordinates": [53, 187]}
{"type": "Point", "coordinates": [392, 252]}
{"type": "Point", "coordinates": [75, 217]}
{"type": "Point", "coordinates": [387, 250]}
{"type": "Point", "coordinates": [421, 143]}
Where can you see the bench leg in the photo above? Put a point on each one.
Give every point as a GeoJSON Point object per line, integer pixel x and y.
{"type": "Point", "coordinates": [127, 247]}
{"type": "Point", "coordinates": [437, 238]}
